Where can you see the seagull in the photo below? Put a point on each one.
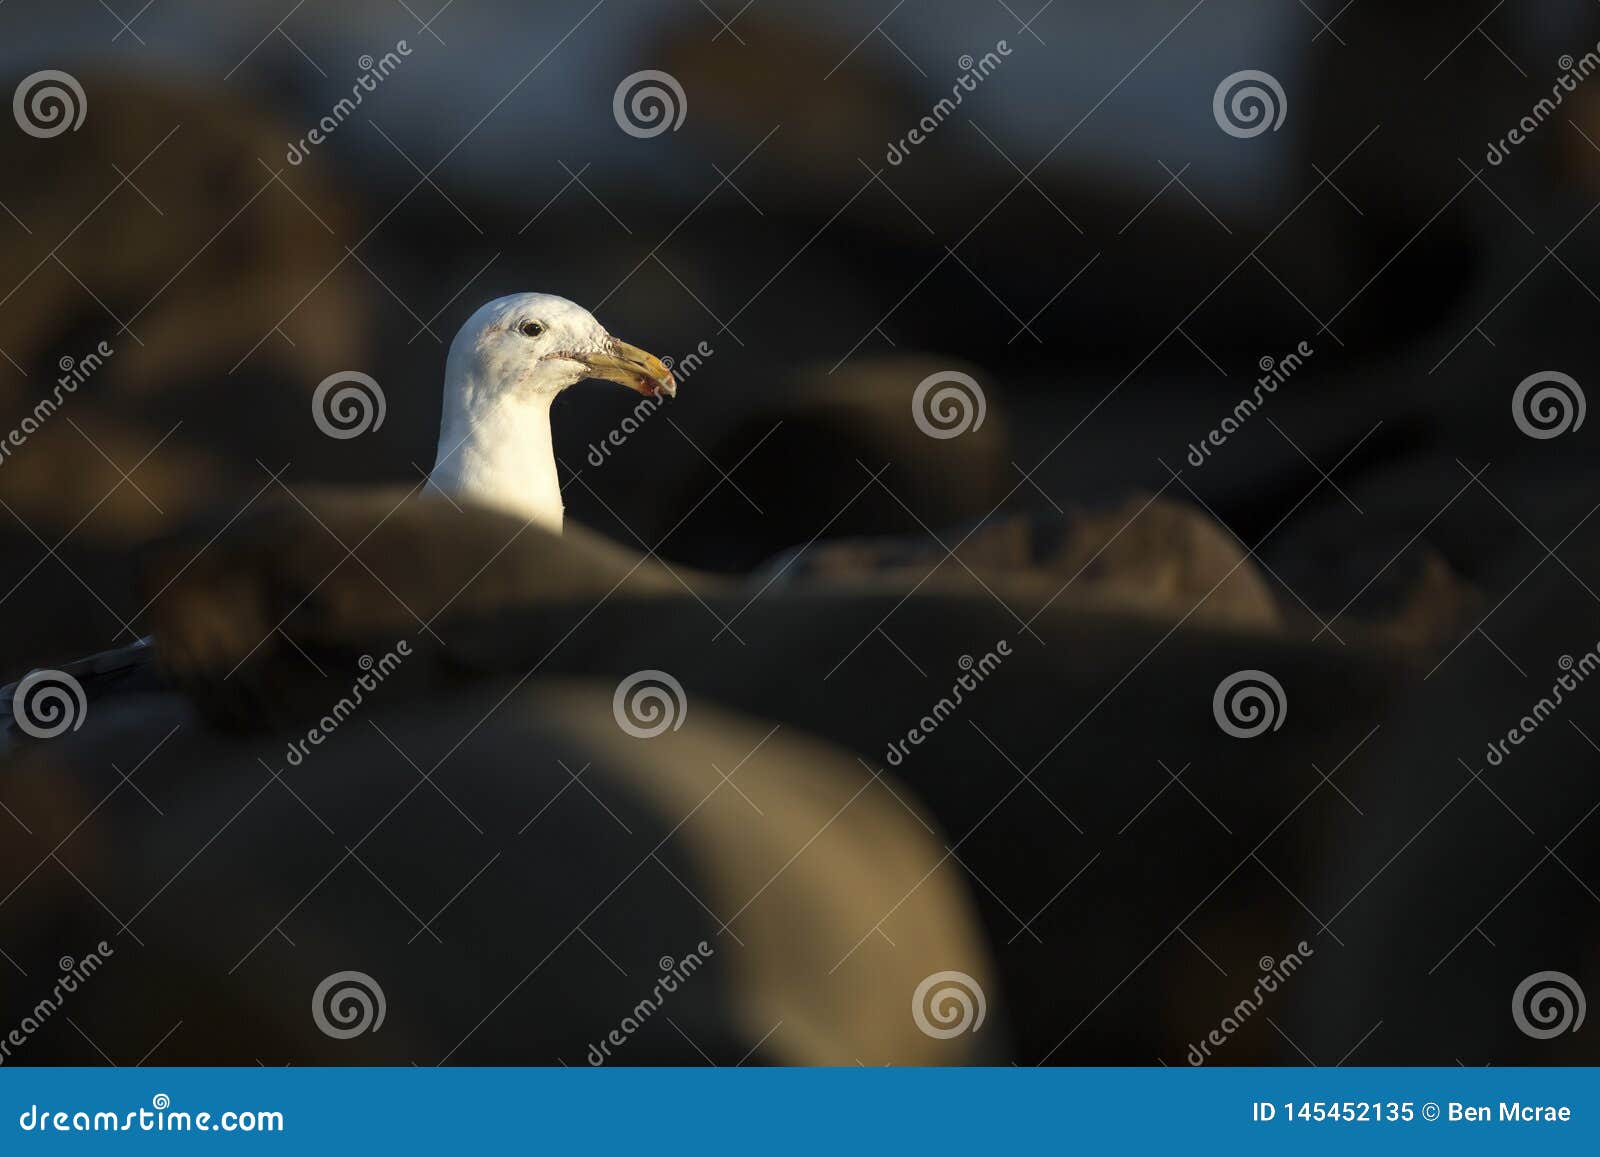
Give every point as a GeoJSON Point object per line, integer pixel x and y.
{"type": "Point", "coordinates": [506, 366]}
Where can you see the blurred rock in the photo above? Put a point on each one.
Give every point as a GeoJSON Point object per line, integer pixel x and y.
{"type": "Point", "coordinates": [163, 210]}
{"type": "Point", "coordinates": [1158, 558]}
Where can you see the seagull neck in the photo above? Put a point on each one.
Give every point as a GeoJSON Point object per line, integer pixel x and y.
{"type": "Point", "coordinates": [498, 452]}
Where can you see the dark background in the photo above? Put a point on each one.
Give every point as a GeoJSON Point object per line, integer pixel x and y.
{"type": "Point", "coordinates": [1083, 238]}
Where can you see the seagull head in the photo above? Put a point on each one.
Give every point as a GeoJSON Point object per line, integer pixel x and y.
{"type": "Point", "coordinates": [533, 345]}
{"type": "Point", "coordinates": [507, 365]}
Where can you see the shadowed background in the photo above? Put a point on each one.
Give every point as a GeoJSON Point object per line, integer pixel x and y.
{"type": "Point", "coordinates": [1081, 237]}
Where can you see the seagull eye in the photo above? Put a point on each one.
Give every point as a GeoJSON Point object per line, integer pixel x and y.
{"type": "Point", "coordinates": [531, 328]}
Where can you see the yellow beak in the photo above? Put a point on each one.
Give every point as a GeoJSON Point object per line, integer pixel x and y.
{"type": "Point", "coordinates": [632, 367]}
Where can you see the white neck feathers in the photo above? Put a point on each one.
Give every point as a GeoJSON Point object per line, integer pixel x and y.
{"type": "Point", "coordinates": [497, 451]}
